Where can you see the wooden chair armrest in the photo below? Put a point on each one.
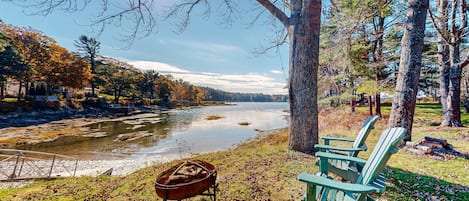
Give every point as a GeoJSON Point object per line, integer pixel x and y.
{"type": "Point", "coordinates": [324, 148]}
{"type": "Point", "coordinates": [327, 139]}
{"type": "Point", "coordinates": [323, 181]}
{"type": "Point", "coordinates": [326, 155]}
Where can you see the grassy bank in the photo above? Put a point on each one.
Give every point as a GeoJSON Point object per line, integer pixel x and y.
{"type": "Point", "coordinates": [264, 169]}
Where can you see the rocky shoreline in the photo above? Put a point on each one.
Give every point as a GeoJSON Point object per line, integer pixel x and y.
{"type": "Point", "coordinates": [123, 167]}
{"type": "Point", "coordinates": [22, 118]}
{"type": "Point", "coordinates": [19, 129]}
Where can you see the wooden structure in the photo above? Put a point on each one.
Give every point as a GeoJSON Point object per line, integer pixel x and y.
{"type": "Point", "coordinates": [24, 165]}
{"type": "Point", "coordinates": [346, 169]}
{"type": "Point", "coordinates": [321, 187]}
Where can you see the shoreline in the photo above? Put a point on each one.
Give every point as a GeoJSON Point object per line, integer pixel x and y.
{"type": "Point", "coordinates": [22, 129]}
{"type": "Point", "coordinates": [20, 137]}
{"type": "Point", "coordinates": [122, 167]}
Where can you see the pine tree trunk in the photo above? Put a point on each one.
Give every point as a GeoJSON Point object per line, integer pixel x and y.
{"type": "Point", "coordinates": [454, 93]}
{"type": "Point", "coordinates": [403, 106]}
{"type": "Point", "coordinates": [370, 105]}
{"type": "Point", "coordinates": [93, 73]}
{"type": "Point", "coordinates": [443, 61]}
{"type": "Point", "coordinates": [304, 30]}
{"type": "Point", "coordinates": [2, 89]}
{"type": "Point", "coordinates": [92, 88]}
{"type": "Point", "coordinates": [378, 104]}
{"type": "Point", "coordinates": [444, 88]}
{"type": "Point", "coordinates": [19, 89]}
{"type": "Point", "coordinates": [116, 98]}
{"type": "Point", "coordinates": [27, 88]}
{"type": "Point", "coordinates": [379, 59]}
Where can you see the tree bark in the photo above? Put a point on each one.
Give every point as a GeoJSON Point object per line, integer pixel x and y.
{"type": "Point", "coordinates": [116, 98]}
{"type": "Point", "coordinates": [19, 89]}
{"type": "Point", "coordinates": [370, 105]}
{"type": "Point", "coordinates": [2, 89]}
{"type": "Point", "coordinates": [454, 94]}
{"type": "Point", "coordinates": [378, 57]}
{"type": "Point", "coordinates": [303, 31]}
{"type": "Point", "coordinates": [378, 104]}
{"type": "Point", "coordinates": [450, 34]}
{"type": "Point", "coordinates": [303, 27]}
{"type": "Point", "coordinates": [403, 106]}
{"type": "Point", "coordinates": [443, 59]}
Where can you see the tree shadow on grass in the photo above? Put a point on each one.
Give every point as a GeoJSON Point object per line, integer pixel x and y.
{"type": "Point", "coordinates": [429, 105]}
{"type": "Point", "coordinates": [405, 185]}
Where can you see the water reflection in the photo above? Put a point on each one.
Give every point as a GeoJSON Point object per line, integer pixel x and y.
{"type": "Point", "coordinates": [178, 133]}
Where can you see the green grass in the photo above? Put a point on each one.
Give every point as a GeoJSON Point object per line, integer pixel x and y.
{"type": "Point", "coordinates": [264, 169]}
{"type": "Point", "coordinates": [10, 100]}
{"type": "Point", "coordinates": [107, 97]}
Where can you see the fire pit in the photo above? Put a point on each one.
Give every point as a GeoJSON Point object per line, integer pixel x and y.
{"type": "Point", "coordinates": [187, 179]}
{"type": "Point", "coordinates": [434, 147]}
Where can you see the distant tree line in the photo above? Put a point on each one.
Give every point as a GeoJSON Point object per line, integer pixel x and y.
{"type": "Point", "coordinates": [219, 95]}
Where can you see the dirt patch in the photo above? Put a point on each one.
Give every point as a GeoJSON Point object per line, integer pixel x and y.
{"type": "Point", "coordinates": [213, 117]}
{"type": "Point", "coordinates": [244, 123]}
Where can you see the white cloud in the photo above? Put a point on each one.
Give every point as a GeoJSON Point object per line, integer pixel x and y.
{"type": "Point", "coordinates": [157, 66]}
{"type": "Point", "coordinates": [208, 73]}
{"type": "Point", "coordinates": [276, 72]}
{"type": "Point", "coordinates": [244, 83]}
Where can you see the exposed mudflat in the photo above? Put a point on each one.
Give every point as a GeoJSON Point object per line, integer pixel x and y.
{"type": "Point", "coordinates": [12, 137]}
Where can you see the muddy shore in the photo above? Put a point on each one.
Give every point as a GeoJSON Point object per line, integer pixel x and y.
{"type": "Point", "coordinates": [20, 129]}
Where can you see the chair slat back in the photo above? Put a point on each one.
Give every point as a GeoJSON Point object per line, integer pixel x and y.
{"type": "Point", "coordinates": [386, 146]}
{"type": "Point", "coordinates": [368, 125]}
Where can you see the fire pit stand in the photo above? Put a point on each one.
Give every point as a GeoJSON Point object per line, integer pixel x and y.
{"type": "Point", "coordinates": [187, 179]}
{"type": "Point", "coordinates": [211, 192]}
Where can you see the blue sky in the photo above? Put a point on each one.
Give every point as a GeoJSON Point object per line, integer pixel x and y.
{"type": "Point", "coordinates": [207, 53]}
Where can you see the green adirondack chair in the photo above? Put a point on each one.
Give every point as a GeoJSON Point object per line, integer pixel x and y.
{"type": "Point", "coordinates": [321, 187]}
{"type": "Point", "coordinates": [346, 169]}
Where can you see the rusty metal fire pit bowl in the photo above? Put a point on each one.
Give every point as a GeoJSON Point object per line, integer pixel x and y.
{"type": "Point", "coordinates": [187, 179]}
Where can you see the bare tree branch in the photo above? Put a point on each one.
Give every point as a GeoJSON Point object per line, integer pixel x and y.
{"type": "Point", "coordinates": [452, 26]}
{"type": "Point", "coordinates": [438, 29]}
{"type": "Point", "coordinates": [140, 12]}
{"type": "Point", "coordinates": [463, 9]}
{"type": "Point", "coordinates": [465, 62]}
{"type": "Point", "coordinates": [280, 39]}
{"type": "Point", "coordinates": [45, 7]}
{"type": "Point", "coordinates": [334, 5]}
{"type": "Point", "coordinates": [137, 11]}
{"type": "Point", "coordinates": [279, 14]}
{"type": "Point", "coordinates": [463, 31]}
{"type": "Point", "coordinates": [185, 10]}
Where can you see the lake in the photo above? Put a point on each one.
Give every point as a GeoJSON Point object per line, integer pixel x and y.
{"type": "Point", "coordinates": [176, 134]}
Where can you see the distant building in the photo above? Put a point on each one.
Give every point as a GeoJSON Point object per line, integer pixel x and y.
{"type": "Point", "coordinates": [12, 87]}
{"type": "Point", "coordinates": [39, 88]}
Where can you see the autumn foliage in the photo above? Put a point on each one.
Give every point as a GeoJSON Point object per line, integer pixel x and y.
{"type": "Point", "coordinates": [31, 56]}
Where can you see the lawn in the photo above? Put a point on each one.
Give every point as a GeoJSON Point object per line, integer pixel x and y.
{"type": "Point", "coordinates": [264, 169]}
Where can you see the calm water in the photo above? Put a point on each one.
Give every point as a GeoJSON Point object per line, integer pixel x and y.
{"type": "Point", "coordinates": [177, 134]}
